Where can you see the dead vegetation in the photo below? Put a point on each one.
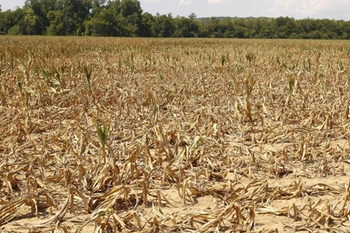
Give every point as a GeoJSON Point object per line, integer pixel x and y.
{"type": "Point", "coordinates": [162, 135]}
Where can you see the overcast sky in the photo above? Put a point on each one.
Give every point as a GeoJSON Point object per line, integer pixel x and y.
{"type": "Point", "coordinates": [331, 9]}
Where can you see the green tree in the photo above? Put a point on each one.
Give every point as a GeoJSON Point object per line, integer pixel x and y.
{"type": "Point", "coordinates": [57, 23]}
{"type": "Point", "coordinates": [68, 17]}
{"type": "Point", "coordinates": [115, 18]}
{"type": "Point", "coordinates": [213, 28]}
{"type": "Point", "coordinates": [186, 27]}
{"type": "Point", "coordinates": [147, 25]}
{"type": "Point", "coordinates": [164, 26]}
{"type": "Point", "coordinates": [14, 22]}
{"type": "Point", "coordinates": [131, 11]}
{"type": "Point", "coordinates": [285, 26]}
{"type": "Point", "coordinates": [103, 22]}
{"type": "Point", "coordinates": [344, 29]}
{"type": "Point", "coordinates": [267, 29]}
{"type": "Point", "coordinates": [240, 28]}
{"type": "Point", "coordinates": [126, 18]}
{"type": "Point", "coordinates": [39, 9]}
{"type": "Point", "coordinates": [100, 20]}
{"type": "Point", "coordinates": [5, 22]}
{"type": "Point", "coordinates": [31, 22]}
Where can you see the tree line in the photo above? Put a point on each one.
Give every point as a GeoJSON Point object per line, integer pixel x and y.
{"type": "Point", "coordinates": [126, 18]}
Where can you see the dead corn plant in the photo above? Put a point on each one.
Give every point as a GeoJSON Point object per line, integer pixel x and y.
{"type": "Point", "coordinates": [145, 135]}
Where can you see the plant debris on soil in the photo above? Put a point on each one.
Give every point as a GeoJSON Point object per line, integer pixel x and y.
{"type": "Point", "coordinates": [174, 135]}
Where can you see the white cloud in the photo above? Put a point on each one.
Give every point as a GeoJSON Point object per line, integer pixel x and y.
{"type": "Point", "coordinates": [303, 6]}
{"type": "Point", "coordinates": [152, 0]}
{"type": "Point", "coordinates": [307, 7]}
{"type": "Point", "coordinates": [185, 2]}
{"type": "Point", "coordinates": [215, 1]}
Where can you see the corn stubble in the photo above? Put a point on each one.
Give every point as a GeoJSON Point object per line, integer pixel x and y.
{"type": "Point", "coordinates": [130, 135]}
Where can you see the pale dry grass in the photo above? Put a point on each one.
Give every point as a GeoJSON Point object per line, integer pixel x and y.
{"type": "Point", "coordinates": [163, 135]}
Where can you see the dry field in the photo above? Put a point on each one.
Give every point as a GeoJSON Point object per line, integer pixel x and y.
{"type": "Point", "coordinates": [174, 135]}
